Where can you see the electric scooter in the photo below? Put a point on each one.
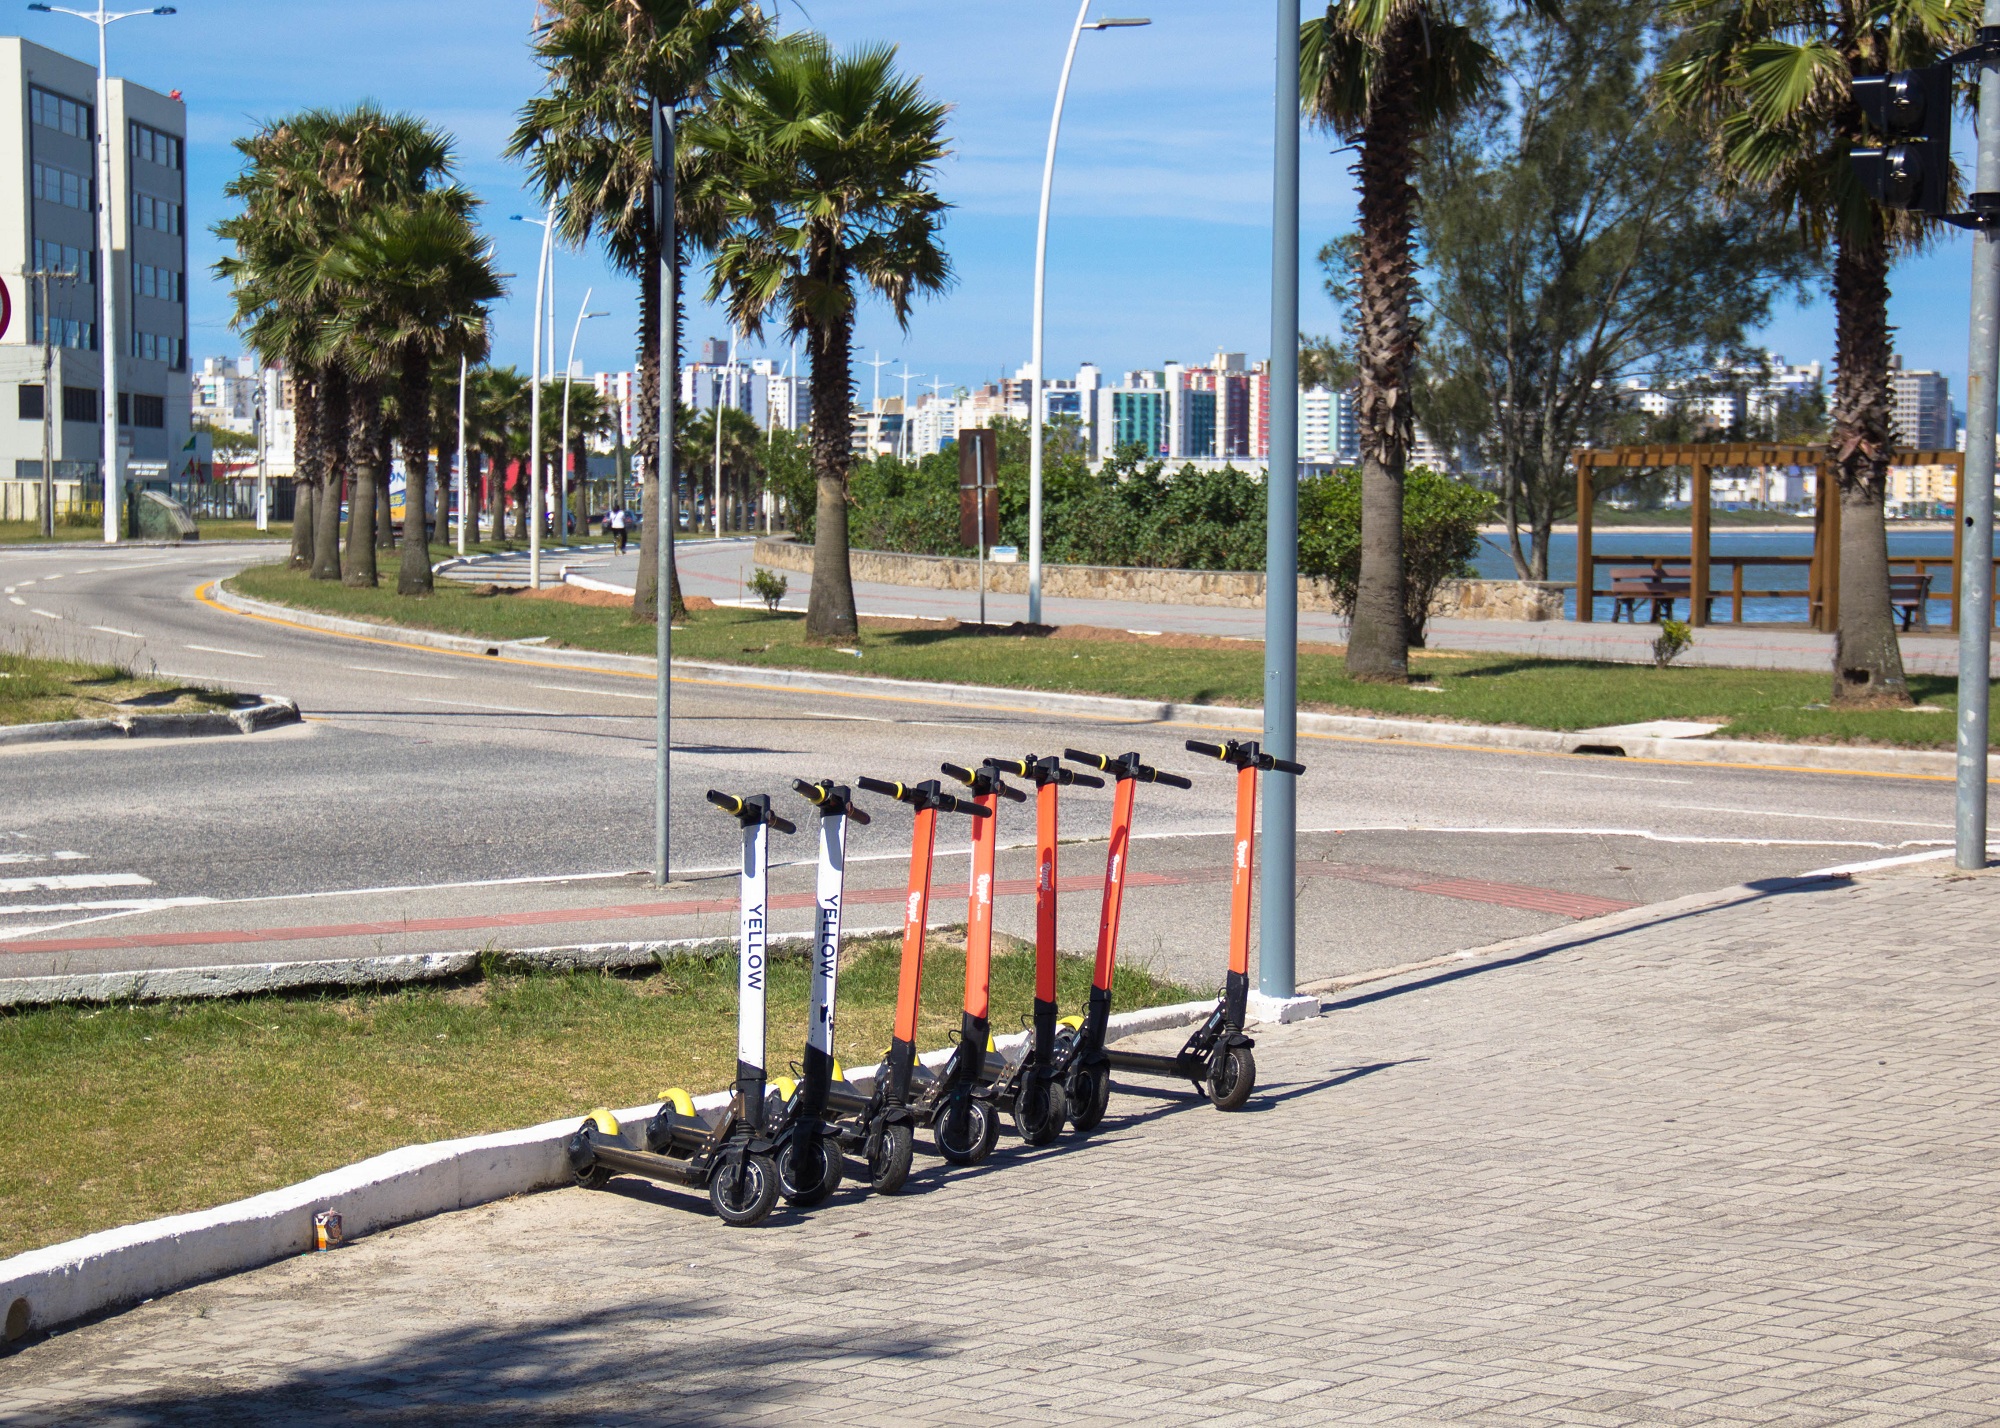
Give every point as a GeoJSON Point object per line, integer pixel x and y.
{"type": "Point", "coordinates": [809, 1154]}
{"type": "Point", "coordinates": [731, 1157]}
{"type": "Point", "coordinates": [1218, 1057]}
{"type": "Point", "coordinates": [1081, 1060]}
{"type": "Point", "coordinates": [890, 1104]}
{"type": "Point", "coordinates": [1030, 1087]}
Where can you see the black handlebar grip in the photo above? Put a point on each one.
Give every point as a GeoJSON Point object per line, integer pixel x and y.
{"type": "Point", "coordinates": [1096, 761]}
{"type": "Point", "coordinates": [1287, 766]}
{"type": "Point", "coordinates": [881, 786]}
{"type": "Point", "coordinates": [813, 793]}
{"type": "Point", "coordinates": [1213, 751]}
{"type": "Point", "coordinates": [728, 803]}
{"type": "Point", "coordinates": [1009, 791]}
{"type": "Point", "coordinates": [1172, 780]}
{"type": "Point", "coordinates": [855, 814]}
{"type": "Point", "coordinates": [961, 774]}
{"type": "Point", "coordinates": [1017, 767]}
{"type": "Point", "coordinates": [967, 806]}
{"type": "Point", "coordinates": [1086, 780]}
{"type": "Point", "coordinates": [782, 825]}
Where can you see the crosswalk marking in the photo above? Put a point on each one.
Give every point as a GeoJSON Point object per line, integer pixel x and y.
{"type": "Point", "coordinates": [71, 882]}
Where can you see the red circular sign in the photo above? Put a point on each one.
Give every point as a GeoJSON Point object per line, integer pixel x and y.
{"type": "Point", "coordinates": [6, 308]}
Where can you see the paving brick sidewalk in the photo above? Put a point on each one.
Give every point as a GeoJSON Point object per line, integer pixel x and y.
{"type": "Point", "coordinates": [1735, 1167]}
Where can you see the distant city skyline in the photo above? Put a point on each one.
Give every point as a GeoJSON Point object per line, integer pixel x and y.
{"type": "Point", "coordinates": [1159, 246]}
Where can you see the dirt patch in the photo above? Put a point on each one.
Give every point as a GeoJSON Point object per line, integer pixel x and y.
{"type": "Point", "coordinates": [577, 595]}
{"type": "Point", "coordinates": [1103, 634]}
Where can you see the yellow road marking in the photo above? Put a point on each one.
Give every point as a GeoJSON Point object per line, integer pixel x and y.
{"type": "Point", "coordinates": [201, 593]}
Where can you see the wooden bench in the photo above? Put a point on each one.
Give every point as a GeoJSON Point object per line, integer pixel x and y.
{"type": "Point", "coordinates": [1660, 583]}
{"type": "Point", "coordinates": [1909, 598]}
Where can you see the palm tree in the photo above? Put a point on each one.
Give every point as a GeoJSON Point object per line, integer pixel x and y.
{"type": "Point", "coordinates": [1771, 85]}
{"type": "Point", "coordinates": [821, 167]}
{"type": "Point", "coordinates": [1384, 74]}
{"type": "Point", "coordinates": [501, 401]}
{"type": "Point", "coordinates": [413, 280]}
{"type": "Point", "coordinates": [589, 146]}
{"type": "Point", "coordinates": [742, 452]}
{"type": "Point", "coordinates": [308, 178]}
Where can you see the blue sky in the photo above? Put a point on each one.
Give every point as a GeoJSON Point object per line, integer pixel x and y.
{"type": "Point", "coordinates": [1160, 243]}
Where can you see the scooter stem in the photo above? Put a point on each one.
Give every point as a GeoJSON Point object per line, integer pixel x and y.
{"type": "Point", "coordinates": [755, 817]}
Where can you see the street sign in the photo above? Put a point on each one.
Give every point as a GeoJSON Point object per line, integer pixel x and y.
{"type": "Point", "coordinates": [978, 456]}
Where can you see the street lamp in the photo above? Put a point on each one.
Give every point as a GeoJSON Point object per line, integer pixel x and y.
{"type": "Point", "coordinates": [544, 291]}
{"type": "Point", "coordinates": [106, 288]}
{"type": "Point", "coordinates": [562, 434]}
{"type": "Point", "coordinates": [1041, 277]}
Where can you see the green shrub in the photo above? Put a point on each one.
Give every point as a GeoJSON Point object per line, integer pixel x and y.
{"type": "Point", "coordinates": [1441, 520]}
{"type": "Point", "coordinates": [768, 587]}
{"type": "Point", "coordinates": [1675, 637]}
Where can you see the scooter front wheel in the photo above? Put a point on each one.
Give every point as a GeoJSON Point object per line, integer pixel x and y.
{"type": "Point", "coordinates": [743, 1188]}
{"type": "Point", "coordinates": [1039, 1110]}
{"type": "Point", "coordinates": [808, 1170]}
{"type": "Point", "coordinates": [1089, 1097]}
{"type": "Point", "coordinates": [1233, 1078]}
{"type": "Point", "coordinates": [966, 1131]}
{"type": "Point", "coordinates": [889, 1166]}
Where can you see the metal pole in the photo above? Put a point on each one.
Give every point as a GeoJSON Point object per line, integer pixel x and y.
{"type": "Point", "coordinates": [1975, 619]}
{"type": "Point", "coordinates": [107, 337]}
{"type": "Point", "coordinates": [1035, 345]}
{"type": "Point", "coordinates": [562, 434]}
{"type": "Point", "coordinates": [464, 371]}
{"type": "Point", "coordinates": [263, 469]}
{"type": "Point", "coordinates": [1278, 925]}
{"type": "Point", "coordinates": [979, 505]}
{"type": "Point", "coordinates": [716, 413]}
{"type": "Point", "coordinates": [535, 408]}
{"type": "Point", "coordinates": [663, 547]}
{"type": "Point", "coordinates": [49, 396]}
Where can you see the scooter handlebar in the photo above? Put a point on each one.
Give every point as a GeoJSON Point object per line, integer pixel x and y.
{"type": "Point", "coordinates": [783, 825]}
{"type": "Point", "coordinates": [727, 802]}
{"type": "Point", "coordinates": [887, 789]}
{"type": "Point", "coordinates": [968, 807]}
{"type": "Point", "coordinates": [819, 794]}
{"type": "Point", "coordinates": [759, 810]}
{"type": "Point", "coordinates": [1287, 766]}
{"type": "Point", "coordinates": [1084, 780]}
{"type": "Point", "coordinates": [1101, 762]}
{"type": "Point", "coordinates": [1171, 780]}
{"type": "Point", "coordinates": [1209, 751]}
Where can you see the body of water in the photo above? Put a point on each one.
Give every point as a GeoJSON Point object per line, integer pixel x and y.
{"type": "Point", "coordinates": [1494, 563]}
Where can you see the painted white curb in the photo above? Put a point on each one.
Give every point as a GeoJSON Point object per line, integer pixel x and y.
{"type": "Point", "coordinates": [70, 1281]}
{"type": "Point", "coordinates": [1210, 716]}
{"type": "Point", "coordinates": [268, 713]}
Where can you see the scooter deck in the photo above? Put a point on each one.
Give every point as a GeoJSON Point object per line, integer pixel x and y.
{"type": "Point", "coordinates": [652, 1167]}
{"type": "Point", "coordinates": [1151, 1064]}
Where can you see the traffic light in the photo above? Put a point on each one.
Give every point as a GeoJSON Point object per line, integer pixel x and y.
{"type": "Point", "coordinates": [1912, 110]}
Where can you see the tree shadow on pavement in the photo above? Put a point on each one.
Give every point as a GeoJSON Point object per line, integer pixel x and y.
{"type": "Point", "coordinates": [646, 1363]}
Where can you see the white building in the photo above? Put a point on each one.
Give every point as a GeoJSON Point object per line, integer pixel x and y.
{"type": "Point", "coordinates": [1921, 415]}
{"type": "Point", "coordinates": [619, 391]}
{"type": "Point", "coordinates": [48, 127]}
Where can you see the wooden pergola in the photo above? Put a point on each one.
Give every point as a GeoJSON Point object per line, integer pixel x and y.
{"type": "Point", "coordinates": [1823, 566]}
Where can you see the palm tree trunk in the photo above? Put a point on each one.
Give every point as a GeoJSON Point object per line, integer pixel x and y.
{"type": "Point", "coordinates": [659, 519]}
{"type": "Point", "coordinates": [385, 521]}
{"type": "Point", "coordinates": [830, 613]}
{"type": "Point", "coordinates": [364, 426]}
{"type": "Point", "coordinates": [1867, 661]}
{"type": "Point", "coordinates": [309, 467]}
{"type": "Point", "coordinates": [333, 417]}
{"type": "Point", "coordinates": [413, 576]}
{"type": "Point", "coordinates": [1378, 638]}
{"type": "Point", "coordinates": [469, 513]}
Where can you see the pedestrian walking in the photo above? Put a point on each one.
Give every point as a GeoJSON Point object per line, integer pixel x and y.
{"type": "Point", "coordinates": [619, 523]}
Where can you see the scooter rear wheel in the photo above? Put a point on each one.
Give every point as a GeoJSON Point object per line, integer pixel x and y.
{"type": "Point", "coordinates": [889, 1167]}
{"type": "Point", "coordinates": [743, 1188]}
{"type": "Point", "coordinates": [1089, 1097]}
{"type": "Point", "coordinates": [1233, 1079]}
{"type": "Point", "coordinates": [1039, 1110]}
{"type": "Point", "coordinates": [966, 1131]}
{"type": "Point", "coordinates": [808, 1170]}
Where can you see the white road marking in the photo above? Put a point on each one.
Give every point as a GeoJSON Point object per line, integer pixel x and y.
{"type": "Point", "coordinates": [16, 600]}
{"type": "Point", "coordinates": [1810, 817]}
{"type": "Point", "coordinates": [214, 649]}
{"type": "Point", "coordinates": [123, 634]}
{"type": "Point", "coordinates": [605, 693]}
{"type": "Point", "coordinates": [501, 708]}
{"type": "Point", "coordinates": [26, 583]}
{"type": "Point", "coordinates": [45, 614]}
{"type": "Point", "coordinates": [41, 857]}
{"type": "Point", "coordinates": [1614, 778]}
{"type": "Point", "coordinates": [147, 904]}
{"type": "Point", "coordinates": [410, 673]}
{"type": "Point", "coordinates": [57, 576]}
{"type": "Point", "coordinates": [69, 882]}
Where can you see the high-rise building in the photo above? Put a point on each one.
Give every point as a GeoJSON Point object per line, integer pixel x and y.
{"type": "Point", "coordinates": [48, 158]}
{"type": "Point", "coordinates": [619, 391]}
{"type": "Point", "coordinates": [1921, 415]}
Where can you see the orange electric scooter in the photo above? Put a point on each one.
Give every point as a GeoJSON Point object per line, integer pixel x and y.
{"type": "Point", "coordinates": [1031, 1087]}
{"type": "Point", "coordinates": [1081, 1061]}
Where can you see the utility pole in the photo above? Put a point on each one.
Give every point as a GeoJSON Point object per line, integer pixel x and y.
{"type": "Point", "coordinates": [1277, 977]}
{"type": "Point", "coordinates": [263, 471]}
{"type": "Point", "coordinates": [663, 540]}
{"type": "Point", "coordinates": [878, 362]}
{"type": "Point", "coordinates": [50, 395]}
{"type": "Point", "coordinates": [1975, 616]}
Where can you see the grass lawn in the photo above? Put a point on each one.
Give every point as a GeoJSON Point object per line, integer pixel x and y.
{"type": "Point", "coordinates": [123, 1113]}
{"type": "Point", "coordinates": [1480, 689]}
{"type": "Point", "coordinates": [41, 691]}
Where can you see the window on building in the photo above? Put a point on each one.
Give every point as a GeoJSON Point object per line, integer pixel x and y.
{"type": "Point", "coordinates": [66, 332]}
{"type": "Point", "coordinates": [147, 412]}
{"type": "Point", "coordinates": [80, 404]}
{"type": "Point", "coordinates": [29, 401]}
{"type": "Point", "coordinates": [54, 185]}
{"type": "Point", "coordinates": [149, 281]}
{"type": "Point", "coordinates": [156, 213]}
{"type": "Point", "coordinates": [152, 347]}
{"type": "Point", "coordinates": [150, 144]}
{"type": "Point", "coordinates": [61, 258]}
{"type": "Point", "coordinates": [53, 111]}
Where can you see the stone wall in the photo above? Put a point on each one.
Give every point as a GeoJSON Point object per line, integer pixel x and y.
{"type": "Point", "coordinates": [1458, 600]}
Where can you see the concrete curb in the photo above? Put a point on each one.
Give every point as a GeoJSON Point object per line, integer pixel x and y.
{"type": "Point", "coordinates": [47, 1288]}
{"type": "Point", "coordinates": [404, 969]}
{"type": "Point", "coordinates": [269, 712]}
{"type": "Point", "coordinates": [1105, 707]}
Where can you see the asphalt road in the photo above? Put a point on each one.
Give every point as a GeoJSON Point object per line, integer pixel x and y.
{"type": "Point", "coordinates": [419, 769]}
